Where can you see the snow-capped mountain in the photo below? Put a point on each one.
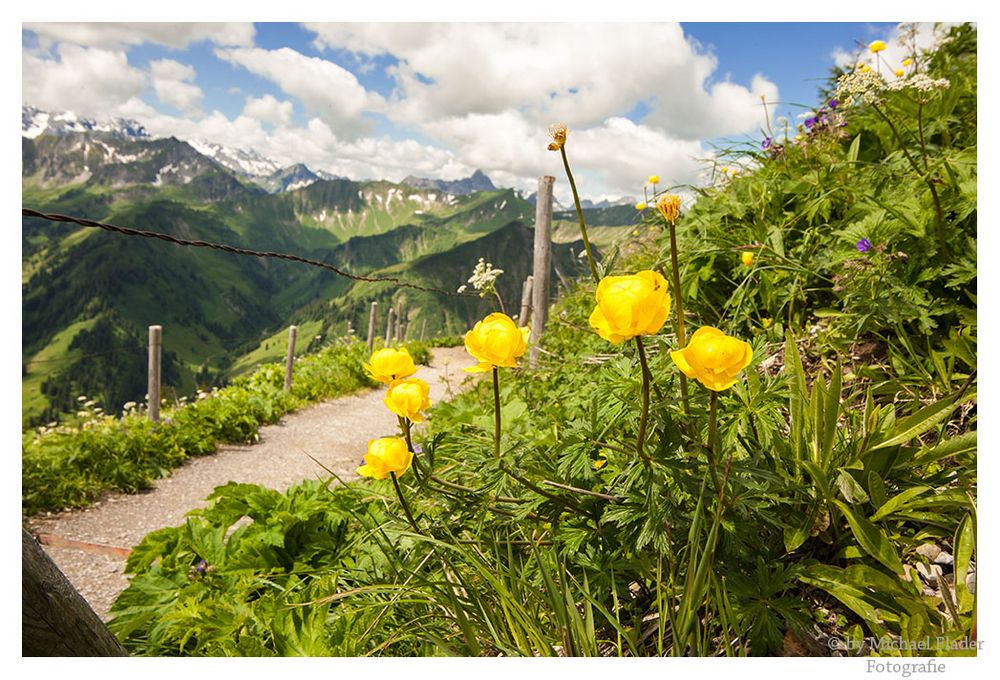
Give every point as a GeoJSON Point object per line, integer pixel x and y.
{"type": "Point", "coordinates": [294, 177]}
{"type": "Point", "coordinates": [35, 122]}
{"type": "Point", "coordinates": [246, 162]}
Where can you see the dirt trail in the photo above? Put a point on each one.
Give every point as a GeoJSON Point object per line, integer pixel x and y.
{"type": "Point", "coordinates": [90, 545]}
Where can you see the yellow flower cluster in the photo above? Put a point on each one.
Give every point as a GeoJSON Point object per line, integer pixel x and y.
{"type": "Point", "coordinates": [406, 397]}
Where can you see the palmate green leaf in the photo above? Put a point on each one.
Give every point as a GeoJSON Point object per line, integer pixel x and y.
{"type": "Point", "coordinates": [871, 539]}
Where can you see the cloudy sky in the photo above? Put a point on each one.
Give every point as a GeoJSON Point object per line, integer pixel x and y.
{"type": "Point", "coordinates": [384, 100]}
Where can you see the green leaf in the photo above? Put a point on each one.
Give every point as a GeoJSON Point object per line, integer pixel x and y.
{"type": "Point", "coordinates": [872, 540]}
{"type": "Point", "coordinates": [876, 489]}
{"type": "Point", "coordinates": [963, 443]}
{"type": "Point", "coordinates": [918, 423]}
{"type": "Point", "coordinates": [898, 502]}
{"type": "Point", "coordinates": [853, 492]}
{"type": "Point", "coordinates": [852, 152]}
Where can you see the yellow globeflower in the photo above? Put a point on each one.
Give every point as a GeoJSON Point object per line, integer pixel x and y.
{"type": "Point", "coordinates": [407, 398]}
{"type": "Point", "coordinates": [866, 68]}
{"type": "Point", "coordinates": [670, 207]}
{"type": "Point", "coordinates": [496, 341]}
{"type": "Point", "coordinates": [713, 358]}
{"type": "Point", "coordinates": [627, 306]}
{"type": "Point", "coordinates": [876, 46]}
{"type": "Point", "coordinates": [747, 258]}
{"type": "Point", "coordinates": [899, 73]}
{"type": "Point", "coordinates": [558, 134]}
{"type": "Point", "coordinates": [907, 62]}
{"type": "Point", "coordinates": [390, 364]}
{"type": "Point", "coordinates": [640, 206]}
{"type": "Point", "coordinates": [654, 179]}
{"type": "Point", "coordinates": [385, 455]}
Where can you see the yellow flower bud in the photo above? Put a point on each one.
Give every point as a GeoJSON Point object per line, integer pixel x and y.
{"type": "Point", "coordinates": [725, 169]}
{"type": "Point", "coordinates": [866, 68]}
{"type": "Point", "coordinates": [390, 364]}
{"type": "Point", "coordinates": [713, 358]}
{"type": "Point", "coordinates": [766, 322]}
{"type": "Point", "coordinates": [407, 398]}
{"type": "Point", "coordinates": [496, 341]}
{"type": "Point", "coordinates": [385, 455]}
{"type": "Point", "coordinates": [599, 463]}
{"type": "Point", "coordinates": [670, 207]}
{"type": "Point", "coordinates": [654, 179]}
{"type": "Point", "coordinates": [907, 62]}
{"type": "Point", "coordinates": [627, 306]}
{"type": "Point", "coordinates": [640, 206]}
{"type": "Point", "coordinates": [876, 46]}
{"type": "Point", "coordinates": [747, 258]}
{"type": "Point", "coordinates": [558, 134]}
{"type": "Point", "coordinates": [899, 73]}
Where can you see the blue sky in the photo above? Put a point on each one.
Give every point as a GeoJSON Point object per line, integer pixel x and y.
{"type": "Point", "coordinates": [386, 100]}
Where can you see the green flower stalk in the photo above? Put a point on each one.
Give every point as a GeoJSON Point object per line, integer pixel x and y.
{"type": "Point", "coordinates": [558, 134]}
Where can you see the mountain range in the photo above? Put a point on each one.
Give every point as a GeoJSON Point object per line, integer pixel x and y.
{"type": "Point", "coordinates": [88, 295]}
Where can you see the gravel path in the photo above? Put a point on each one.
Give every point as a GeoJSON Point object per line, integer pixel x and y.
{"type": "Point", "coordinates": [334, 432]}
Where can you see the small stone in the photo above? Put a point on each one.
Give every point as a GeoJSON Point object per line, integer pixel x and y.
{"type": "Point", "coordinates": [929, 550]}
{"type": "Point", "coordinates": [930, 574]}
{"type": "Point", "coordinates": [944, 559]}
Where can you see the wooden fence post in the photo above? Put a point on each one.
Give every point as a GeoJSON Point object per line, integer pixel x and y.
{"type": "Point", "coordinates": [372, 317]}
{"type": "Point", "coordinates": [55, 619]}
{"type": "Point", "coordinates": [388, 327]}
{"type": "Point", "coordinates": [542, 263]}
{"type": "Point", "coordinates": [423, 329]}
{"type": "Point", "coordinates": [290, 356]}
{"type": "Point", "coordinates": [400, 320]}
{"type": "Point", "coordinates": [153, 381]}
{"type": "Point", "coordinates": [522, 318]}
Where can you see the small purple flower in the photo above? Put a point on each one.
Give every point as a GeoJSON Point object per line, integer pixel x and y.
{"type": "Point", "coordinates": [417, 448]}
{"type": "Point", "coordinates": [833, 103]}
{"type": "Point", "coordinates": [810, 122]}
{"type": "Point", "coordinates": [766, 144]}
{"type": "Point", "coordinates": [201, 567]}
{"type": "Point", "coordinates": [864, 245]}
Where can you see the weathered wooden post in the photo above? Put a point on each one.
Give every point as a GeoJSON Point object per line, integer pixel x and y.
{"type": "Point", "coordinates": [542, 264]}
{"type": "Point", "coordinates": [55, 619]}
{"type": "Point", "coordinates": [372, 317]}
{"type": "Point", "coordinates": [400, 320]}
{"type": "Point", "coordinates": [153, 381]}
{"type": "Point", "coordinates": [423, 329]}
{"type": "Point", "coordinates": [388, 326]}
{"type": "Point", "coordinates": [522, 318]}
{"type": "Point", "coordinates": [290, 356]}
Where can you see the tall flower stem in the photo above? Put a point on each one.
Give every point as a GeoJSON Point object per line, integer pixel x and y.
{"type": "Point", "coordinates": [579, 216]}
{"type": "Point", "coordinates": [402, 501]}
{"type": "Point", "coordinates": [644, 417]}
{"type": "Point", "coordinates": [938, 211]}
{"type": "Point", "coordinates": [678, 306]}
{"type": "Point", "coordinates": [712, 428]}
{"type": "Point", "coordinates": [405, 424]}
{"type": "Point", "coordinates": [496, 412]}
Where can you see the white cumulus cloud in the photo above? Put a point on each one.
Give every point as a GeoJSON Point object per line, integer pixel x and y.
{"type": "Point", "coordinates": [331, 92]}
{"type": "Point", "coordinates": [171, 83]}
{"type": "Point", "coordinates": [121, 34]}
{"type": "Point", "coordinates": [87, 81]}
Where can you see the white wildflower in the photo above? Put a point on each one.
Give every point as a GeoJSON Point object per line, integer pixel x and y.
{"type": "Point", "coordinates": [865, 84]}
{"type": "Point", "coordinates": [484, 277]}
{"type": "Point", "coordinates": [920, 82]}
{"type": "Point", "coordinates": [461, 289]}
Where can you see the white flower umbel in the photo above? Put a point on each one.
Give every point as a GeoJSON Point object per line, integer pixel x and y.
{"type": "Point", "coordinates": [484, 277]}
